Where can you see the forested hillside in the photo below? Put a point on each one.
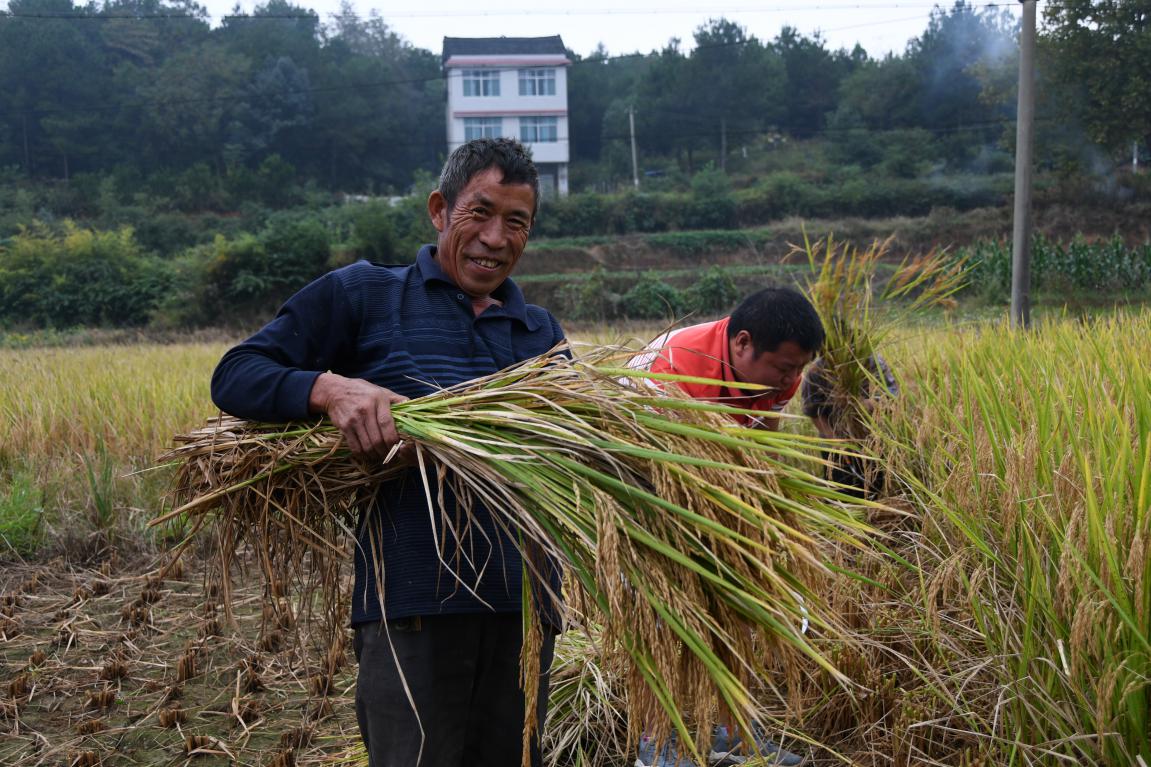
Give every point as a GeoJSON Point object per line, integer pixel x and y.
{"type": "Point", "coordinates": [222, 162]}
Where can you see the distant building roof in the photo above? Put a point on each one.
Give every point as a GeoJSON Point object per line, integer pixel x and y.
{"type": "Point", "coordinates": [503, 46]}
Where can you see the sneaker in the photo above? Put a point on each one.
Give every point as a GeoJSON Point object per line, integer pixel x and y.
{"type": "Point", "coordinates": [727, 749]}
{"type": "Point", "coordinates": [668, 756]}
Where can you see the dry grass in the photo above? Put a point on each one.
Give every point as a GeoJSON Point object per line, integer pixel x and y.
{"type": "Point", "coordinates": [88, 687]}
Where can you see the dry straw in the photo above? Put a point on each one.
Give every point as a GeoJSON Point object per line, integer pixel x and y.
{"type": "Point", "coordinates": [693, 543]}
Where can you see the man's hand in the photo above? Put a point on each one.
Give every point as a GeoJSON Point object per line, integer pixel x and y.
{"type": "Point", "coordinates": [361, 411]}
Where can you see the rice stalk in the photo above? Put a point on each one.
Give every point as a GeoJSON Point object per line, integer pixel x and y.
{"type": "Point", "coordinates": [696, 545]}
{"type": "Point", "coordinates": [858, 315]}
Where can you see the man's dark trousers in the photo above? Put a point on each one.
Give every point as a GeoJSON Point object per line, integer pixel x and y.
{"type": "Point", "coordinates": [463, 674]}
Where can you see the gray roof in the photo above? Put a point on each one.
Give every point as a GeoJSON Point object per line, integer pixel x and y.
{"type": "Point", "coordinates": [502, 46]}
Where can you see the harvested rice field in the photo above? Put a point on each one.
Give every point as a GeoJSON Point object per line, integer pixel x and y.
{"type": "Point", "coordinates": [117, 664]}
{"type": "Point", "coordinates": [998, 615]}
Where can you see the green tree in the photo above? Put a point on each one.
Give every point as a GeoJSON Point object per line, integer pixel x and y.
{"type": "Point", "coordinates": [950, 60]}
{"type": "Point", "coordinates": [737, 84]}
{"type": "Point", "coordinates": [813, 75]}
{"type": "Point", "coordinates": [52, 84]}
{"type": "Point", "coordinates": [1101, 53]}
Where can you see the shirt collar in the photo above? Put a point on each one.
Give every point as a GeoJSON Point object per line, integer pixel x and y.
{"type": "Point", "coordinates": [509, 294]}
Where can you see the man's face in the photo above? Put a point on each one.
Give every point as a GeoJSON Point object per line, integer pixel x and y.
{"type": "Point", "coordinates": [778, 369]}
{"type": "Point", "coordinates": [483, 235]}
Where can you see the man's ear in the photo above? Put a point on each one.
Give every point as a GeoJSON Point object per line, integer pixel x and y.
{"type": "Point", "coordinates": [741, 344]}
{"type": "Point", "coordinates": [438, 210]}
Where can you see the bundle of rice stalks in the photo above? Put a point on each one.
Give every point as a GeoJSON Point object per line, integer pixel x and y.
{"type": "Point", "coordinates": [858, 315]}
{"type": "Point", "coordinates": [586, 723]}
{"type": "Point", "coordinates": [693, 543]}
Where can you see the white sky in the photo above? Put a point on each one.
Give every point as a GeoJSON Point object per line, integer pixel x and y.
{"type": "Point", "coordinates": [628, 26]}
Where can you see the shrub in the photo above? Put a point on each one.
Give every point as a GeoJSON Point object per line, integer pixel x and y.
{"type": "Point", "coordinates": [78, 277]}
{"type": "Point", "coordinates": [714, 293]}
{"type": "Point", "coordinates": [590, 298]}
{"type": "Point", "coordinates": [651, 299]}
{"type": "Point", "coordinates": [374, 233]}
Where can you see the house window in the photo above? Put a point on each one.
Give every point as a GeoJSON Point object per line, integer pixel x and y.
{"type": "Point", "coordinates": [537, 82]}
{"type": "Point", "coordinates": [538, 130]}
{"type": "Point", "coordinates": [481, 82]}
{"type": "Point", "coordinates": [482, 127]}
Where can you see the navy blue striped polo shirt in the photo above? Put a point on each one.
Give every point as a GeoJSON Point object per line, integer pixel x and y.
{"type": "Point", "coordinates": [411, 330]}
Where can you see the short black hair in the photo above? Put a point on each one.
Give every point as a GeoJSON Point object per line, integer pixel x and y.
{"type": "Point", "coordinates": [774, 315]}
{"type": "Point", "coordinates": [512, 158]}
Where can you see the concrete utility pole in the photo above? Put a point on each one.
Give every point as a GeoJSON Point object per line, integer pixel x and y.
{"type": "Point", "coordinates": [634, 162]}
{"type": "Point", "coordinates": [1024, 142]}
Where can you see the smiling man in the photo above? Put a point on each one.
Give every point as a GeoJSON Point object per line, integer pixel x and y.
{"type": "Point", "coordinates": [438, 647]}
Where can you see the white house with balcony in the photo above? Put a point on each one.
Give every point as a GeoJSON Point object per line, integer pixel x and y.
{"type": "Point", "coordinates": [514, 87]}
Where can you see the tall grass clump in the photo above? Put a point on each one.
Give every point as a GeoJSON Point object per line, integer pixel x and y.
{"type": "Point", "coordinates": [696, 545]}
{"type": "Point", "coordinates": [1030, 458]}
{"type": "Point", "coordinates": [859, 313]}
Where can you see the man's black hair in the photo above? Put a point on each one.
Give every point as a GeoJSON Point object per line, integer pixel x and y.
{"type": "Point", "coordinates": [512, 158]}
{"type": "Point", "coordinates": [774, 315]}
